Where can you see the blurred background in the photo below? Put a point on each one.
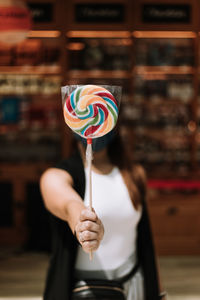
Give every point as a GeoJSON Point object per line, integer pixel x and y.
{"type": "Point", "coordinates": [152, 49]}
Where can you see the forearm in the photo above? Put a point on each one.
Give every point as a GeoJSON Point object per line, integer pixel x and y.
{"type": "Point", "coordinates": [63, 201]}
{"type": "Point", "coordinates": [73, 212]}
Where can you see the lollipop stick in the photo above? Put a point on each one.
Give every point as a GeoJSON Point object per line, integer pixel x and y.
{"type": "Point", "coordinates": [89, 162]}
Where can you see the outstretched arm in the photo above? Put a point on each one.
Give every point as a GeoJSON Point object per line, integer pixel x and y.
{"type": "Point", "coordinates": [64, 202]}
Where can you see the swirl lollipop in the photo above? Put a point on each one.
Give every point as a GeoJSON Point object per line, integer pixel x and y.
{"type": "Point", "coordinates": [91, 111]}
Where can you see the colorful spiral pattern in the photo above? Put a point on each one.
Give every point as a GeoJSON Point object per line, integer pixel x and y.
{"type": "Point", "coordinates": [91, 111]}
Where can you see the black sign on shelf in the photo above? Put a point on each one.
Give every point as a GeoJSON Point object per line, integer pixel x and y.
{"type": "Point", "coordinates": [166, 13]}
{"type": "Point", "coordinates": [99, 13]}
{"type": "Point", "coordinates": [41, 12]}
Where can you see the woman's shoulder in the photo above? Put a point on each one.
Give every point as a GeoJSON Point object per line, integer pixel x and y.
{"type": "Point", "coordinates": [65, 169]}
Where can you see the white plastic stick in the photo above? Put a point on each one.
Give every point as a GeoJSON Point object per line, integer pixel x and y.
{"type": "Point", "coordinates": [89, 164]}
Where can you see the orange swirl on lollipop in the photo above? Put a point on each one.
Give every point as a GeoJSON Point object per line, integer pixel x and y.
{"type": "Point", "coordinates": [91, 111]}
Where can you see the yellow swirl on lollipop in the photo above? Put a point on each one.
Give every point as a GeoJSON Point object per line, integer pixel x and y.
{"type": "Point", "coordinates": [91, 111]}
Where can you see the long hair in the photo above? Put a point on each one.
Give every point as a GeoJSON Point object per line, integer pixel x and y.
{"type": "Point", "coordinates": [133, 175]}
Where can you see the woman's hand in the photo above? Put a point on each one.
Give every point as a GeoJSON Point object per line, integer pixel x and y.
{"type": "Point", "coordinates": [89, 230]}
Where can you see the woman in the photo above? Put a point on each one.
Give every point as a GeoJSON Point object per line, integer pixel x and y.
{"type": "Point", "coordinates": [117, 231]}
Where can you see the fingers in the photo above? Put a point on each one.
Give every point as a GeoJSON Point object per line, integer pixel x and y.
{"type": "Point", "coordinates": [89, 246]}
{"type": "Point", "coordinates": [89, 230]}
{"type": "Point", "coordinates": [87, 214]}
{"type": "Point", "coordinates": [87, 226]}
{"type": "Point", "coordinates": [87, 236]}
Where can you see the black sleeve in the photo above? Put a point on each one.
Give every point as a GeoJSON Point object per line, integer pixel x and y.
{"type": "Point", "coordinates": [146, 256]}
{"type": "Point", "coordinates": [74, 166]}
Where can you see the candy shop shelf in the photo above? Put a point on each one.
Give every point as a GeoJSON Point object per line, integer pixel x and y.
{"type": "Point", "coordinates": [164, 70]}
{"type": "Point", "coordinates": [35, 96]}
{"type": "Point", "coordinates": [98, 74]}
{"type": "Point", "coordinates": [158, 132]}
{"type": "Point", "coordinates": [44, 34]}
{"type": "Point", "coordinates": [164, 34]}
{"type": "Point", "coordinates": [23, 170]}
{"type": "Point", "coordinates": [159, 178]}
{"type": "Point", "coordinates": [179, 185]}
{"type": "Point", "coordinates": [98, 34]}
{"type": "Point", "coordinates": [24, 70]}
{"type": "Point", "coordinates": [148, 102]}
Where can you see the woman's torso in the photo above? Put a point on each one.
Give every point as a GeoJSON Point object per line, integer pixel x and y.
{"type": "Point", "coordinates": [113, 206]}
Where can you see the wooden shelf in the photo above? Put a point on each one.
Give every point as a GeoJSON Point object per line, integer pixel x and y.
{"type": "Point", "coordinates": [74, 74]}
{"type": "Point", "coordinates": [164, 34]}
{"type": "Point", "coordinates": [26, 171]}
{"type": "Point", "coordinates": [25, 70]}
{"type": "Point", "coordinates": [98, 34]}
{"type": "Point", "coordinates": [44, 34]}
{"type": "Point", "coordinates": [36, 96]}
{"type": "Point", "coordinates": [182, 70]}
{"type": "Point", "coordinates": [160, 101]}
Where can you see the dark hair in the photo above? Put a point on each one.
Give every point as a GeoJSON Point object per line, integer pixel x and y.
{"type": "Point", "coordinates": [133, 175]}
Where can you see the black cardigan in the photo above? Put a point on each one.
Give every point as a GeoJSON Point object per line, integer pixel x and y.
{"type": "Point", "coordinates": [64, 246]}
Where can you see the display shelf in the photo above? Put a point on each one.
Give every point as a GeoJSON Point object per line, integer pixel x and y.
{"type": "Point", "coordinates": [165, 116]}
{"type": "Point", "coordinates": [44, 34]}
{"type": "Point", "coordinates": [104, 51]}
{"type": "Point", "coordinates": [27, 70]}
{"type": "Point", "coordinates": [98, 74]}
{"type": "Point", "coordinates": [165, 88]}
{"type": "Point", "coordinates": [161, 78]}
{"type": "Point", "coordinates": [162, 70]}
{"type": "Point", "coordinates": [29, 84]}
{"type": "Point", "coordinates": [163, 151]}
{"type": "Point", "coordinates": [30, 129]}
{"type": "Point", "coordinates": [162, 110]}
{"type": "Point", "coordinates": [153, 49]}
{"type": "Point", "coordinates": [23, 170]}
{"type": "Point", "coordinates": [164, 34]}
{"type": "Point", "coordinates": [30, 80]}
{"type": "Point", "coordinates": [175, 234]}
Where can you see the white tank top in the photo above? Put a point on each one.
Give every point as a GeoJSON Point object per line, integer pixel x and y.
{"type": "Point", "coordinates": [113, 206]}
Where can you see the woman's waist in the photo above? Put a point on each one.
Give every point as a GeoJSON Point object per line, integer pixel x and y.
{"type": "Point", "coordinates": [102, 271]}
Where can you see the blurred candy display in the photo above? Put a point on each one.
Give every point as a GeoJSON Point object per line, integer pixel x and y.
{"type": "Point", "coordinates": [171, 154]}
{"type": "Point", "coordinates": [164, 52]}
{"type": "Point", "coordinates": [29, 130]}
{"type": "Point", "coordinates": [99, 53]}
{"type": "Point", "coordinates": [157, 109]}
{"type": "Point", "coordinates": [29, 84]}
{"type": "Point", "coordinates": [163, 88]}
{"type": "Point", "coordinates": [31, 52]}
{"type": "Point", "coordinates": [29, 108]}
